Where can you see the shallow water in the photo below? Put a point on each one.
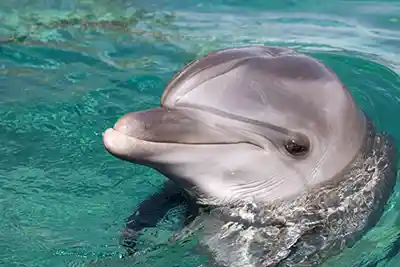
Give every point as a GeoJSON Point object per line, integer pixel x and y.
{"type": "Point", "coordinates": [69, 69]}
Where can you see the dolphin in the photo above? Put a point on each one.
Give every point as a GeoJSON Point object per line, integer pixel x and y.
{"type": "Point", "coordinates": [272, 140]}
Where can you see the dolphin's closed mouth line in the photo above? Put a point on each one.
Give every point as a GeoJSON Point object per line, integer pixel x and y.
{"type": "Point", "coordinates": [182, 143]}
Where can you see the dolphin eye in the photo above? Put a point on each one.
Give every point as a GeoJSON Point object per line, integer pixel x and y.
{"type": "Point", "coordinates": [296, 150]}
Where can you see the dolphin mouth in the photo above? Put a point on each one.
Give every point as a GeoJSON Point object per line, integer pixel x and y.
{"type": "Point", "coordinates": [160, 125]}
{"type": "Point", "coordinates": [137, 136]}
{"type": "Point", "coordinates": [132, 149]}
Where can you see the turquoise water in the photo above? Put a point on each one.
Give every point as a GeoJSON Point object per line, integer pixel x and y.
{"type": "Point", "coordinates": [69, 69]}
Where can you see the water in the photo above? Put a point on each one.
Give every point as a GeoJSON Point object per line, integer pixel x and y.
{"type": "Point", "coordinates": [70, 68]}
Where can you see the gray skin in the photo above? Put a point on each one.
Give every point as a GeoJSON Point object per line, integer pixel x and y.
{"type": "Point", "coordinates": [253, 124]}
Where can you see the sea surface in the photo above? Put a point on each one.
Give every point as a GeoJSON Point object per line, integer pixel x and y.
{"type": "Point", "coordinates": [70, 68]}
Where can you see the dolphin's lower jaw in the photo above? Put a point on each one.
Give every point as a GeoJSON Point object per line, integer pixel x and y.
{"type": "Point", "coordinates": [120, 145]}
{"type": "Point", "coordinates": [312, 228]}
{"type": "Point", "coordinates": [112, 141]}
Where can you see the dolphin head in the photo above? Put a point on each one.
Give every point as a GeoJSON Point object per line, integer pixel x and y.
{"type": "Point", "coordinates": [250, 123]}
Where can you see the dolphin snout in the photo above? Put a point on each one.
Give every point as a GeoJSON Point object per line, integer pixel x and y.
{"type": "Point", "coordinates": [160, 125]}
{"type": "Point", "coordinates": [134, 135]}
{"type": "Point", "coordinates": [118, 144]}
